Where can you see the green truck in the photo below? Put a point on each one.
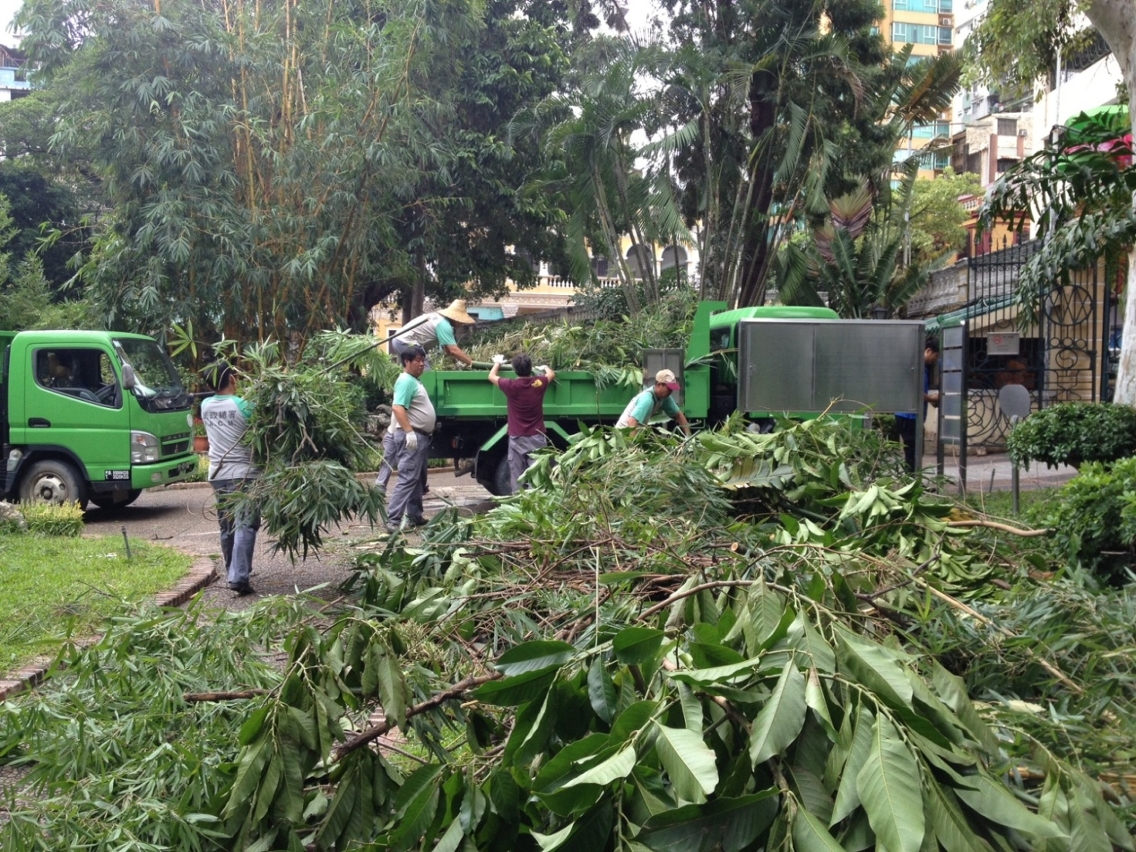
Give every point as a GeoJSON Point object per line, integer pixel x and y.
{"type": "Point", "coordinates": [472, 412]}
{"type": "Point", "coordinates": [90, 416]}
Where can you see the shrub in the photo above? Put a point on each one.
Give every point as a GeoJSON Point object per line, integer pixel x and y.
{"type": "Point", "coordinates": [61, 519]}
{"type": "Point", "coordinates": [1095, 519]}
{"type": "Point", "coordinates": [1074, 433]}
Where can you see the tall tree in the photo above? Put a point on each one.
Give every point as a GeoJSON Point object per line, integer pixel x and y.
{"type": "Point", "coordinates": [1008, 39]}
{"type": "Point", "coordinates": [783, 99]}
{"type": "Point", "coordinates": [273, 169]}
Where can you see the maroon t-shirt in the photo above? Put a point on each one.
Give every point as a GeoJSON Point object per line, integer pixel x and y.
{"type": "Point", "coordinates": [525, 396]}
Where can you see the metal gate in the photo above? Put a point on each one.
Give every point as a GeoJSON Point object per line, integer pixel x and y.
{"type": "Point", "coordinates": [1062, 357]}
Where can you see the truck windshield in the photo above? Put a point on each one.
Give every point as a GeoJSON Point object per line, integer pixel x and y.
{"type": "Point", "coordinates": [156, 384]}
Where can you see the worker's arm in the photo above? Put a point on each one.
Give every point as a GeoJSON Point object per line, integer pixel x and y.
{"type": "Point", "coordinates": [402, 417]}
{"type": "Point", "coordinates": [454, 351]}
{"type": "Point", "coordinates": [683, 424]}
{"type": "Point", "coordinates": [549, 373]}
{"type": "Point", "coordinates": [493, 377]}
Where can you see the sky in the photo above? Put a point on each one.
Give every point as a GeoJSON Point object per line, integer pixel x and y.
{"type": "Point", "coordinates": [8, 9]}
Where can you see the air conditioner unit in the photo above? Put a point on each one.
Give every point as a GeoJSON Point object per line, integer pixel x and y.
{"type": "Point", "coordinates": [1022, 133]}
{"type": "Point", "coordinates": [946, 21]}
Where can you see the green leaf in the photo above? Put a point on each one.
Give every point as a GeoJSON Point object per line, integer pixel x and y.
{"type": "Point", "coordinates": [780, 720]}
{"type": "Point", "coordinates": [803, 637]}
{"type": "Point", "coordinates": [451, 841]}
{"type": "Point", "coordinates": [875, 667]}
{"type": "Point", "coordinates": [534, 657]}
{"type": "Point", "coordinates": [949, 822]}
{"type": "Point", "coordinates": [252, 725]}
{"type": "Point", "coordinates": [731, 673]}
{"type": "Point", "coordinates": [513, 691]}
{"type": "Point", "coordinates": [392, 687]}
{"type": "Point", "coordinates": [617, 766]}
{"type": "Point", "coordinates": [635, 645]}
{"type": "Point", "coordinates": [728, 825]}
{"type": "Point", "coordinates": [889, 788]}
{"type": "Point", "coordinates": [810, 835]}
{"type": "Point", "coordinates": [998, 804]}
{"type": "Point", "coordinates": [601, 691]}
{"type": "Point", "coordinates": [816, 701]}
{"type": "Point", "coordinates": [689, 763]}
{"type": "Point", "coordinates": [632, 720]}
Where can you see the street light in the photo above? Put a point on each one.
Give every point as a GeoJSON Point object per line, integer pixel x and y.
{"type": "Point", "coordinates": [878, 312]}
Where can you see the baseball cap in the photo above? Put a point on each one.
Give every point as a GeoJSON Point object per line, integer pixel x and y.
{"type": "Point", "coordinates": [667, 377]}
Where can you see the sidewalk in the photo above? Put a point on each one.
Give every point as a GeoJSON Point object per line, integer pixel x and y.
{"type": "Point", "coordinates": [993, 472]}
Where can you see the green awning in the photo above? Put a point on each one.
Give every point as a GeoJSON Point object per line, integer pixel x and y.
{"type": "Point", "coordinates": [977, 308]}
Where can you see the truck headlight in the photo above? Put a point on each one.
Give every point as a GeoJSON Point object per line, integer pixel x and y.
{"type": "Point", "coordinates": [144, 448]}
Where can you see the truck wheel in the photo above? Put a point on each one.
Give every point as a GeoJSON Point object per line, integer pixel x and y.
{"type": "Point", "coordinates": [502, 482]}
{"type": "Point", "coordinates": [106, 501]}
{"type": "Point", "coordinates": [53, 481]}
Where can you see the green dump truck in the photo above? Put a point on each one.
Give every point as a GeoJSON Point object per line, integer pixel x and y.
{"type": "Point", "coordinates": [472, 412]}
{"type": "Point", "coordinates": [90, 416]}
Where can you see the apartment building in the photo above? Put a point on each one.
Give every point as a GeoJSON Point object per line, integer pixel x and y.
{"type": "Point", "coordinates": [13, 78]}
{"type": "Point", "coordinates": [928, 26]}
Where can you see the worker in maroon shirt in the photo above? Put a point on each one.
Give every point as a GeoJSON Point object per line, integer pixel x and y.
{"type": "Point", "coordinates": [525, 396]}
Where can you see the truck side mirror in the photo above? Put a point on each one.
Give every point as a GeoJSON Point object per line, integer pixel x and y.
{"type": "Point", "coordinates": [128, 378]}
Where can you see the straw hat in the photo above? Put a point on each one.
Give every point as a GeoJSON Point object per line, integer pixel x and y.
{"type": "Point", "coordinates": [457, 312]}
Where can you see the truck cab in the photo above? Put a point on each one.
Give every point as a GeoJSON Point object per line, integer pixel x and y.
{"type": "Point", "coordinates": [90, 416]}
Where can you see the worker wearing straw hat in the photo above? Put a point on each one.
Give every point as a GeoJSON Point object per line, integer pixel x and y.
{"type": "Point", "coordinates": [435, 329]}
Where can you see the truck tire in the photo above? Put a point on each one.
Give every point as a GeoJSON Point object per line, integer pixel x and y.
{"type": "Point", "coordinates": [106, 501]}
{"type": "Point", "coordinates": [502, 482]}
{"type": "Point", "coordinates": [53, 481]}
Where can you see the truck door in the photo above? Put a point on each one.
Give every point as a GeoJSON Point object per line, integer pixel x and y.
{"type": "Point", "coordinates": [75, 401]}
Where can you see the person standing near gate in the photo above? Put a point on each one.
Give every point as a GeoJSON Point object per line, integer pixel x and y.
{"type": "Point", "coordinates": [412, 423]}
{"type": "Point", "coordinates": [524, 397]}
{"type": "Point", "coordinates": [226, 419]}
{"type": "Point", "coordinates": [904, 420]}
{"type": "Point", "coordinates": [435, 329]}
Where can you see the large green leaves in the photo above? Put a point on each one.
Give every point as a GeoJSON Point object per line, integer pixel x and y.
{"type": "Point", "coordinates": [889, 787]}
{"type": "Point", "coordinates": [688, 762]}
{"type": "Point", "coordinates": [780, 720]}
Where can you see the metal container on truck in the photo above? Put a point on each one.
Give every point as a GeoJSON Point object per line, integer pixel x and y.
{"type": "Point", "coordinates": [90, 416]}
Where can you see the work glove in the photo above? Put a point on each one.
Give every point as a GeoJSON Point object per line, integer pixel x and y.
{"type": "Point", "coordinates": [498, 359]}
{"type": "Point", "coordinates": [542, 368]}
{"type": "Point", "coordinates": [412, 442]}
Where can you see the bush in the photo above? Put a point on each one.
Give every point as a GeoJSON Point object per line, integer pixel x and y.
{"type": "Point", "coordinates": [60, 519]}
{"type": "Point", "coordinates": [1074, 433]}
{"type": "Point", "coordinates": [1095, 519]}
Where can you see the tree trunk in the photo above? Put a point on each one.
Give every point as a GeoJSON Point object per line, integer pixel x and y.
{"type": "Point", "coordinates": [755, 254]}
{"type": "Point", "coordinates": [1114, 21]}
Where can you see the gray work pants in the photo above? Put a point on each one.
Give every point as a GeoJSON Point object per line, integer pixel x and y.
{"type": "Point", "coordinates": [521, 449]}
{"type": "Point", "coordinates": [408, 488]}
{"type": "Point", "coordinates": [238, 531]}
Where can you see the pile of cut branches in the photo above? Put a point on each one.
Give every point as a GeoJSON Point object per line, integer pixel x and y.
{"type": "Point", "coordinates": [722, 642]}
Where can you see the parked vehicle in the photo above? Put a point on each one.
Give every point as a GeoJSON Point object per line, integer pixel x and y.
{"type": "Point", "coordinates": [90, 416]}
{"type": "Point", "coordinates": [472, 412]}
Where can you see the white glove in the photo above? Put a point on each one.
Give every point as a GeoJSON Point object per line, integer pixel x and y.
{"type": "Point", "coordinates": [412, 442]}
{"type": "Point", "coordinates": [498, 359]}
{"type": "Point", "coordinates": [542, 368]}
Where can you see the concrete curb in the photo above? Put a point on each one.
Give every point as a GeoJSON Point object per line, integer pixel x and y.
{"type": "Point", "coordinates": [200, 575]}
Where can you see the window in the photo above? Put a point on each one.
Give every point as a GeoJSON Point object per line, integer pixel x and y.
{"type": "Point", "coordinates": [939, 160]}
{"type": "Point", "coordinates": [1007, 127]}
{"type": "Point", "coordinates": [935, 7]}
{"type": "Point", "coordinates": [639, 258]}
{"type": "Point", "coordinates": [920, 34]}
{"type": "Point", "coordinates": [85, 374]}
{"type": "Point", "coordinates": [930, 130]}
{"type": "Point", "coordinates": [599, 266]}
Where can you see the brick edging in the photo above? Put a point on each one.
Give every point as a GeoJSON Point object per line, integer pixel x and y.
{"type": "Point", "coordinates": [200, 575]}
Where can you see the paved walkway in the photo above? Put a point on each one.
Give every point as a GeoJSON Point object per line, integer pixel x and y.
{"type": "Point", "coordinates": [994, 472]}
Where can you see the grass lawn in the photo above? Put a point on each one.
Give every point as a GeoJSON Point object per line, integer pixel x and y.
{"type": "Point", "coordinates": [54, 586]}
{"type": "Point", "coordinates": [1033, 504]}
